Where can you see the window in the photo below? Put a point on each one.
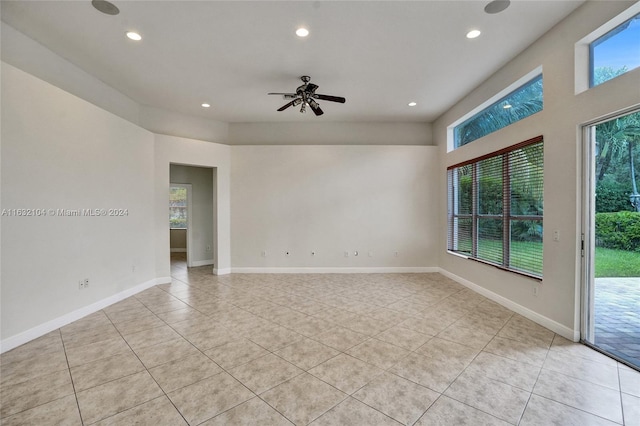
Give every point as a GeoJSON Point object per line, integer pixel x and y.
{"type": "Point", "coordinates": [615, 53]}
{"type": "Point", "coordinates": [178, 207]}
{"type": "Point", "coordinates": [518, 104]}
{"type": "Point", "coordinates": [496, 208]}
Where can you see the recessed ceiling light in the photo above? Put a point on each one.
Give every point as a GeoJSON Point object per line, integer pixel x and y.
{"type": "Point", "coordinates": [205, 105]}
{"type": "Point", "coordinates": [134, 36]}
{"type": "Point", "coordinates": [105, 7]}
{"type": "Point", "coordinates": [496, 6]}
{"type": "Point", "coordinates": [412, 104]}
{"type": "Point", "coordinates": [302, 32]}
{"type": "Point", "coordinates": [473, 33]}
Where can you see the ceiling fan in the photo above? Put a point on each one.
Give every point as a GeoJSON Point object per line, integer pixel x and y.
{"type": "Point", "coordinates": [306, 95]}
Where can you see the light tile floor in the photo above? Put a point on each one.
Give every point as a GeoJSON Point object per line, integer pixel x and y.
{"type": "Point", "coordinates": [311, 349]}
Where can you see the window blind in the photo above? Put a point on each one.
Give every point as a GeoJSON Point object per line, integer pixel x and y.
{"type": "Point", "coordinates": [496, 207]}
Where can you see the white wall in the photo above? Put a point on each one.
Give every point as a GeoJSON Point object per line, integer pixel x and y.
{"type": "Point", "coordinates": [332, 199]}
{"type": "Point", "coordinates": [172, 123]}
{"type": "Point", "coordinates": [61, 152]}
{"type": "Point", "coordinates": [559, 123]}
{"type": "Point", "coordinates": [174, 150]}
{"type": "Point", "coordinates": [330, 133]}
{"type": "Point", "coordinates": [30, 56]}
{"type": "Point", "coordinates": [201, 180]}
{"type": "Point", "coordinates": [178, 240]}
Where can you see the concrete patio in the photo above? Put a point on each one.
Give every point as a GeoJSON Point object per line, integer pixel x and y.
{"type": "Point", "coordinates": [617, 317]}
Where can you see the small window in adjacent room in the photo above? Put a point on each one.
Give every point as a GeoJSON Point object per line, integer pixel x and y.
{"type": "Point", "coordinates": [615, 53]}
{"type": "Point", "coordinates": [178, 207]}
{"type": "Point", "coordinates": [495, 208]}
{"type": "Point", "coordinates": [520, 103]}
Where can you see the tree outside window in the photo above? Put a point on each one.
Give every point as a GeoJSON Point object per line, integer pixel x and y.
{"type": "Point", "coordinates": [178, 208]}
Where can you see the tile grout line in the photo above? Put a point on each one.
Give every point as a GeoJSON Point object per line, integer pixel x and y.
{"type": "Point", "coordinates": [73, 385]}
{"type": "Point", "coordinates": [231, 375]}
{"type": "Point", "coordinates": [145, 369]}
{"type": "Point", "coordinates": [242, 300]}
{"type": "Point", "coordinates": [198, 381]}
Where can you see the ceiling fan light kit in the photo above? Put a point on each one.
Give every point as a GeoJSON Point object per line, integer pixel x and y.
{"type": "Point", "coordinates": [306, 95]}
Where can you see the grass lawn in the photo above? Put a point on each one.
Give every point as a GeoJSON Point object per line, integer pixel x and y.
{"type": "Point", "coordinates": [617, 263]}
{"type": "Point", "coordinates": [608, 262]}
{"type": "Point", "coordinates": [521, 253]}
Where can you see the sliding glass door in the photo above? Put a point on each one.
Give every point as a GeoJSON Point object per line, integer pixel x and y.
{"type": "Point", "coordinates": [611, 242]}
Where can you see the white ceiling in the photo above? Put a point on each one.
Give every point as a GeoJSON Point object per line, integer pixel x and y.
{"type": "Point", "coordinates": [380, 55]}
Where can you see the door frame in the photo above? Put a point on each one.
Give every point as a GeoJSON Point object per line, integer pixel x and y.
{"type": "Point", "coordinates": [587, 203]}
{"type": "Point", "coordinates": [587, 233]}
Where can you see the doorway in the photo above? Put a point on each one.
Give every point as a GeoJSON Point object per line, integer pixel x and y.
{"type": "Point", "coordinates": [192, 220]}
{"type": "Point", "coordinates": [180, 221]}
{"type": "Point", "coordinates": [611, 237]}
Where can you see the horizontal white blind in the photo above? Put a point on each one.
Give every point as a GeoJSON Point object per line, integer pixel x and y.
{"type": "Point", "coordinates": [496, 208]}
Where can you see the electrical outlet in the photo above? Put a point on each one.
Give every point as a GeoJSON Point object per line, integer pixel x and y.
{"type": "Point", "coordinates": [80, 284]}
{"type": "Point", "coordinates": [86, 282]}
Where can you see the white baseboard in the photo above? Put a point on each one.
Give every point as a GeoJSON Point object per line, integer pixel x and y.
{"type": "Point", "coordinates": [179, 250]}
{"type": "Point", "coordinates": [202, 262]}
{"type": "Point", "coordinates": [221, 271]}
{"type": "Point", "coordinates": [552, 325]}
{"type": "Point", "coordinates": [49, 326]}
{"type": "Point", "coordinates": [335, 270]}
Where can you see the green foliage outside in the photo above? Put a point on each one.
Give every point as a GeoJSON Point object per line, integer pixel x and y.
{"type": "Point", "coordinates": [620, 231]}
{"type": "Point", "coordinates": [617, 227]}
{"type": "Point", "coordinates": [521, 253]}
{"type": "Point", "coordinates": [177, 223]}
{"type": "Point", "coordinates": [520, 104]}
{"type": "Point", "coordinates": [602, 74]}
{"type": "Point", "coordinates": [613, 196]}
{"type": "Point", "coordinates": [523, 202]}
{"type": "Point", "coordinates": [608, 262]}
{"type": "Point", "coordinates": [617, 156]}
{"type": "Point", "coordinates": [177, 208]}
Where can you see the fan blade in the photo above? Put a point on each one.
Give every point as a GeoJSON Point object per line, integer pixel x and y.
{"type": "Point", "coordinates": [282, 108]}
{"type": "Point", "coordinates": [315, 107]}
{"type": "Point", "coordinates": [330, 98]}
{"type": "Point", "coordinates": [295, 102]}
{"type": "Point", "coordinates": [282, 94]}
